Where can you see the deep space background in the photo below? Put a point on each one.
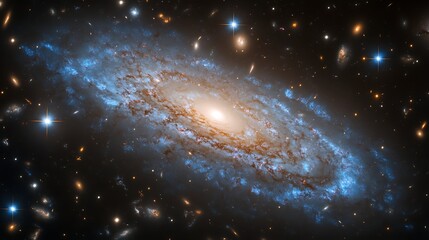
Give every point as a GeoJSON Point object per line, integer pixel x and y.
{"type": "Point", "coordinates": [82, 176]}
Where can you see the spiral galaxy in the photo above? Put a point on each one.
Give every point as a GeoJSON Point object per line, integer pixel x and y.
{"type": "Point", "coordinates": [233, 129]}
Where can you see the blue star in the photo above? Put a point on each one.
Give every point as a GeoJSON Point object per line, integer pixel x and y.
{"type": "Point", "coordinates": [134, 12]}
{"type": "Point", "coordinates": [233, 24]}
{"type": "Point", "coordinates": [12, 209]}
{"type": "Point", "coordinates": [47, 121]}
{"type": "Point", "coordinates": [378, 58]}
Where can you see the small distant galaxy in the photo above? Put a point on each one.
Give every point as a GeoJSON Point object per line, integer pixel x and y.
{"type": "Point", "coordinates": [223, 120]}
{"type": "Point", "coordinates": [343, 55]}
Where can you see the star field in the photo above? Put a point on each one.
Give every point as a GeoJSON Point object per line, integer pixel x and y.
{"type": "Point", "coordinates": [213, 120]}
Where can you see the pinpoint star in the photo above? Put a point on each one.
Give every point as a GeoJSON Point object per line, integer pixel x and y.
{"type": "Point", "coordinates": [378, 59]}
{"type": "Point", "coordinates": [233, 24]}
{"type": "Point", "coordinates": [47, 121]}
{"type": "Point", "coordinates": [134, 12]}
{"type": "Point", "coordinates": [12, 209]}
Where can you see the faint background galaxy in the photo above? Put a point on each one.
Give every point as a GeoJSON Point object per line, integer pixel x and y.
{"type": "Point", "coordinates": [213, 120]}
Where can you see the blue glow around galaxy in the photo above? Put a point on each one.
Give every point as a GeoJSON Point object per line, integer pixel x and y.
{"type": "Point", "coordinates": [283, 148]}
